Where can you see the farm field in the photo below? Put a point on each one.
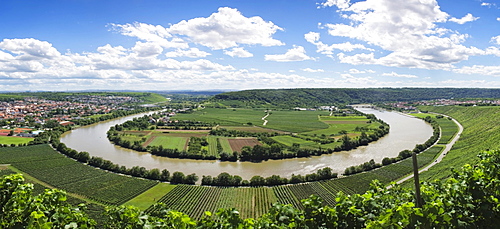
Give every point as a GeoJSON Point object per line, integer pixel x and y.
{"type": "Point", "coordinates": [225, 117]}
{"type": "Point", "coordinates": [47, 165]}
{"type": "Point", "coordinates": [7, 140]}
{"type": "Point", "coordinates": [238, 143]}
{"type": "Point", "coordinates": [169, 142]}
{"type": "Point", "coordinates": [289, 141]}
{"type": "Point", "coordinates": [339, 123]}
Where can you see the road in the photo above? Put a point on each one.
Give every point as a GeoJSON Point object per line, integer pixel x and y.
{"type": "Point", "coordinates": [440, 156]}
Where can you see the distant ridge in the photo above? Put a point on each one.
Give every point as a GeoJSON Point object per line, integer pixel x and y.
{"type": "Point", "coordinates": [330, 96]}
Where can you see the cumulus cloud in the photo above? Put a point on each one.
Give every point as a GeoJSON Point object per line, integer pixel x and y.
{"type": "Point", "coordinates": [191, 53]}
{"type": "Point", "coordinates": [407, 29]}
{"type": "Point", "coordinates": [479, 70]}
{"type": "Point", "coordinates": [496, 40]}
{"type": "Point", "coordinates": [312, 70]}
{"type": "Point", "coordinates": [393, 74]}
{"type": "Point", "coordinates": [341, 4]}
{"type": "Point", "coordinates": [238, 52]}
{"type": "Point", "coordinates": [356, 71]}
{"type": "Point", "coordinates": [29, 48]}
{"type": "Point", "coordinates": [297, 53]}
{"type": "Point", "coordinates": [313, 38]}
{"type": "Point", "coordinates": [466, 18]}
{"type": "Point", "coordinates": [227, 28]}
{"type": "Point", "coordinates": [151, 33]}
{"type": "Point", "coordinates": [147, 49]}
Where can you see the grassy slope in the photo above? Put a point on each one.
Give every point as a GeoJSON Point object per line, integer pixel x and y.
{"type": "Point", "coordinates": [481, 132]}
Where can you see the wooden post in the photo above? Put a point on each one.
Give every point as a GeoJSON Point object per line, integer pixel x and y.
{"type": "Point", "coordinates": [418, 199]}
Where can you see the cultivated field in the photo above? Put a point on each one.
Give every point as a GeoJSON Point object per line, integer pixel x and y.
{"type": "Point", "coordinates": [238, 143]}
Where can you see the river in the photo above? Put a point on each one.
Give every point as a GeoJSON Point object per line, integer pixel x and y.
{"type": "Point", "coordinates": [405, 132]}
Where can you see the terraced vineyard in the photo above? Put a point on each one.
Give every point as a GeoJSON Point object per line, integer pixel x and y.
{"type": "Point", "coordinates": [45, 164]}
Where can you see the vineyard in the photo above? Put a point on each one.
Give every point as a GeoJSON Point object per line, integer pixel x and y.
{"type": "Point", "coordinates": [45, 164]}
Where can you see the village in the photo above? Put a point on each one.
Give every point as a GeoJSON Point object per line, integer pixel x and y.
{"type": "Point", "coordinates": [412, 106]}
{"type": "Point", "coordinates": [25, 118]}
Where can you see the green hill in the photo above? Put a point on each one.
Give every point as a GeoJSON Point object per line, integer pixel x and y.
{"type": "Point", "coordinates": [310, 97]}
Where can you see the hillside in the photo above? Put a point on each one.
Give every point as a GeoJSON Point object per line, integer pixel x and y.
{"type": "Point", "coordinates": [311, 97]}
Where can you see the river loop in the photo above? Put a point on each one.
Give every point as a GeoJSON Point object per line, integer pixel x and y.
{"type": "Point", "coordinates": [405, 132]}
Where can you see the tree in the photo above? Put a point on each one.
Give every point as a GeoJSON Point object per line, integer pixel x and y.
{"type": "Point", "coordinates": [165, 175]}
{"type": "Point", "coordinates": [177, 178]}
{"type": "Point", "coordinates": [257, 181]}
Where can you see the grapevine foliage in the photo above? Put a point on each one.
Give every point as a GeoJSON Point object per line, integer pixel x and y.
{"type": "Point", "coordinates": [468, 199]}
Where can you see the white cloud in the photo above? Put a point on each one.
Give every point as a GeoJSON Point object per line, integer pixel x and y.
{"type": "Point", "coordinates": [356, 71]}
{"type": "Point", "coordinates": [496, 40]}
{"type": "Point", "coordinates": [479, 70]}
{"type": "Point", "coordinates": [297, 53]}
{"type": "Point", "coordinates": [147, 49]}
{"type": "Point", "coordinates": [29, 48]}
{"type": "Point", "coordinates": [485, 4]}
{"type": "Point", "coordinates": [466, 18]}
{"type": "Point", "coordinates": [406, 29]}
{"type": "Point", "coordinates": [151, 33]}
{"type": "Point", "coordinates": [393, 74]}
{"type": "Point", "coordinates": [227, 28]}
{"type": "Point", "coordinates": [238, 52]}
{"type": "Point", "coordinates": [112, 51]}
{"type": "Point", "coordinates": [313, 38]}
{"type": "Point", "coordinates": [341, 4]}
{"type": "Point", "coordinates": [312, 70]}
{"type": "Point", "coordinates": [191, 53]}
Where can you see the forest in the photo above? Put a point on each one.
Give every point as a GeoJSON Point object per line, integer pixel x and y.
{"type": "Point", "coordinates": [313, 97]}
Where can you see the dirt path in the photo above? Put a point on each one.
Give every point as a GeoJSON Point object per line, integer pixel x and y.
{"type": "Point", "coordinates": [147, 142]}
{"type": "Point", "coordinates": [264, 118]}
{"type": "Point", "coordinates": [440, 156]}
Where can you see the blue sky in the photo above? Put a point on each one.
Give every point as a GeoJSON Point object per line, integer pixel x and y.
{"type": "Point", "coordinates": [236, 44]}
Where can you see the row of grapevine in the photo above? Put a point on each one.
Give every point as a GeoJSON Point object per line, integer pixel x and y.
{"type": "Point", "coordinates": [45, 164]}
{"type": "Point", "coordinates": [285, 196]}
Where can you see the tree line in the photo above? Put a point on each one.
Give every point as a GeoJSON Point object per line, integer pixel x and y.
{"type": "Point", "coordinates": [314, 97]}
{"type": "Point", "coordinates": [468, 199]}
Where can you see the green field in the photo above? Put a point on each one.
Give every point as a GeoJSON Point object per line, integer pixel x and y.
{"type": "Point", "coordinates": [289, 140]}
{"type": "Point", "coordinates": [229, 117]}
{"type": "Point", "coordinates": [296, 121]}
{"type": "Point", "coordinates": [170, 142]}
{"type": "Point", "coordinates": [151, 196]}
{"type": "Point", "coordinates": [225, 145]}
{"type": "Point", "coordinates": [7, 140]}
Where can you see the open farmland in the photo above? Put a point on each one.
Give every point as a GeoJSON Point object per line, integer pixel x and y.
{"type": "Point", "coordinates": [227, 117]}
{"type": "Point", "coordinates": [238, 143]}
{"type": "Point", "coordinates": [170, 142]}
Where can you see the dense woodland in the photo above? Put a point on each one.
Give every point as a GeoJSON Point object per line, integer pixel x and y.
{"type": "Point", "coordinates": [312, 97]}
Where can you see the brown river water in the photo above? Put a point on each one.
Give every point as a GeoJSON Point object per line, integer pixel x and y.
{"type": "Point", "coordinates": [405, 133]}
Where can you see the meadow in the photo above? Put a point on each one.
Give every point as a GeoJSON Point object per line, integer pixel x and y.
{"type": "Point", "coordinates": [8, 140]}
